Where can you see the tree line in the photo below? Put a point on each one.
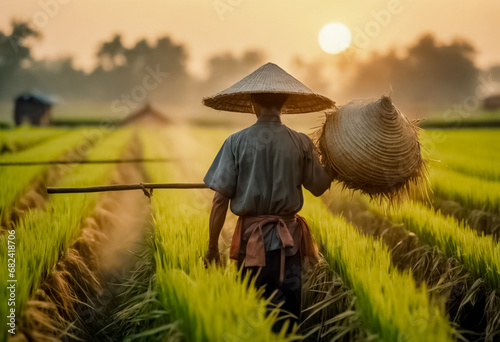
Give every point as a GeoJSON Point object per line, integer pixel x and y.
{"type": "Point", "coordinates": [425, 71]}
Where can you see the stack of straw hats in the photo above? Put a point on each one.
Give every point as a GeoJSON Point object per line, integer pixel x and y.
{"type": "Point", "coordinates": [269, 78]}
{"type": "Point", "coordinates": [373, 148]}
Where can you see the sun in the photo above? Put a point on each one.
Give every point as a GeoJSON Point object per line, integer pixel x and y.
{"type": "Point", "coordinates": [334, 38]}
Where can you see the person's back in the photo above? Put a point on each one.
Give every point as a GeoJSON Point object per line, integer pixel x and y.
{"type": "Point", "coordinates": [265, 166]}
{"type": "Point", "coordinates": [260, 172]}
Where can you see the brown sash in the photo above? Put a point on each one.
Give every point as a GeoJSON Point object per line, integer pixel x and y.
{"type": "Point", "coordinates": [255, 250]}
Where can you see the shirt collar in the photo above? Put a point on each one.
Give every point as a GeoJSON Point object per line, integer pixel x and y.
{"type": "Point", "coordinates": [269, 118]}
{"type": "Point", "coordinates": [269, 115]}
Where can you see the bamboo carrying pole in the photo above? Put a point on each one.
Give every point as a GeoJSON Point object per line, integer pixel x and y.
{"type": "Point", "coordinates": [111, 161]}
{"type": "Point", "coordinates": [122, 187]}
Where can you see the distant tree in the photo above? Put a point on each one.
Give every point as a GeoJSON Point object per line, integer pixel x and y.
{"type": "Point", "coordinates": [122, 69]}
{"type": "Point", "coordinates": [13, 53]}
{"type": "Point", "coordinates": [426, 72]}
{"type": "Point", "coordinates": [58, 77]}
{"type": "Point", "coordinates": [444, 73]}
{"type": "Point", "coordinates": [313, 74]}
{"type": "Point", "coordinates": [111, 54]}
{"type": "Point", "coordinates": [225, 69]}
{"type": "Point", "coordinates": [494, 71]}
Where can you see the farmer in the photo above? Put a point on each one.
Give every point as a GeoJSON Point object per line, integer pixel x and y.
{"type": "Point", "coordinates": [260, 172]}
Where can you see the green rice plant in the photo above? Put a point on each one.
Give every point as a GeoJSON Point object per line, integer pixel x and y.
{"type": "Point", "coordinates": [485, 168]}
{"type": "Point", "coordinates": [482, 143]}
{"type": "Point", "coordinates": [23, 137]}
{"type": "Point", "coordinates": [469, 191]}
{"type": "Point", "coordinates": [328, 307]}
{"type": "Point", "coordinates": [479, 254]}
{"type": "Point", "coordinates": [389, 302]}
{"type": "Point", "coordinates": [445, 277]}
{"type": "Point", "coordinates": [17, 179]}
{"type": "Point", "coordinates": [212, 304]}
{"type": "Point", "coordinates": [42, 236]}
{"type": "Point", "coordinates": [470, 152]}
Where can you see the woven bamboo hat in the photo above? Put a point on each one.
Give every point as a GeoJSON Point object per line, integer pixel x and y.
{"type": "Point", "coordinates": [269, 78]}
{"type": "Point", "coordinates": [373, 147]}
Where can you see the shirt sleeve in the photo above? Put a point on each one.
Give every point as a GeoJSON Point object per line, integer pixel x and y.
{"type": "Point", "coordinates": [222, 174]}
{"type": "Point", "coordinates": [315, 178]}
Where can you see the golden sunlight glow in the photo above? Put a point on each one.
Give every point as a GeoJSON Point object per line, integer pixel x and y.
{"type": "Point", "coordinates": [334, 38]}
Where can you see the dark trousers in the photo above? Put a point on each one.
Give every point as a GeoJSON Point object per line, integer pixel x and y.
{"type": "Point", "coordinates": [289, 292]}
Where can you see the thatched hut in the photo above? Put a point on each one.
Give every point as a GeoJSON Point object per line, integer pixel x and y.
{"type": "Point", "coordinates": [147, 116]}
{"type": "Point", "coordinates": [492, 102]}
{"type": "Point", "coordinates": [32, 109]}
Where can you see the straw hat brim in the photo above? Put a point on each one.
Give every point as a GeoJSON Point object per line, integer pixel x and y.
{"type": "Point", "coordinates": [269, 78]}
{"type": "Point", "coordinates": [297, 103]}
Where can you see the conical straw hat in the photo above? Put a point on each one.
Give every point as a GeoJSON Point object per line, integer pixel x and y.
{"type": "Point", "coordinates": [269, 78]}
{"type": "Point", "coordinates": [373, 148]}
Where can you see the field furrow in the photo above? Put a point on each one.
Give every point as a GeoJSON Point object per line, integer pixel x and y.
{"type": "Point", "coordinates": [16, 180]}
{"type": "Point", "coordinates": [469, 191]}
{"type": "Point", "coordinates": [479, 254]}
{"type": "Point", "coordinates": [389, 302]}
{"type": "Point", "coordinates": [24, 137]}
{"type": "Point", "coordinates": [447, 280]}
{"type": "Point", "coordinates": [408, 272]}
{"type": "Point", "coordinates": [43, 236]}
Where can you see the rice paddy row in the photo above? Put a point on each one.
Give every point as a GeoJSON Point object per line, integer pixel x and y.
{"type": "Point", "coordinates": [388, 300]}
{"type": "Point", "coordinates": [378, 300]}
{"type": "Point", "coordinates": [17, 179]}
{"type": "Point", "coordinates": [194, 303]}
{"type": "Point", "coordinates": [25, 136]}
{"type": "Point", "coordinates": [480, 254]}
{"type": "Point", "coordinates": [465, 167]}
{"type": "Point", "coordinates": [43, 236]}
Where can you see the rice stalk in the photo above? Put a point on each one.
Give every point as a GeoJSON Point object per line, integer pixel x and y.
{"type": "Point", "coordinates": [328, 307]}
{"type": "Point", "coordinates": [23, 137]}
{"type": "Point", "coordinates": [485, 223]}
{"type": "Point", "coordinates": [17, 180]}
{"type": "Point", "coordinates": [42, 235]}
{"type": "Point", "coordinates": [389, 302]}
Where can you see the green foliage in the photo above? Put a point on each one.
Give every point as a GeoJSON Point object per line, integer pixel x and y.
{"type": "Point", "coordinates": [388, 301]}
{"type": "Point", "coordinates": [13, 51]}
{"type": "Point", "coordinates": [471, 192]}
{"type": "Point", "coordinates": [42, 236]}
{"type": "Point", "coordinates": [17, 179]}
{"type": "Point", "coordinates": [465, 166]}
{"type": "Point", "coordinates": [470, 152]}
{"type": "Point", "coordinates": [479, 254]}
{"type": "Point", "coordinates": [197, 304]}
{"type": "Point", "coordinates": [23, 137]}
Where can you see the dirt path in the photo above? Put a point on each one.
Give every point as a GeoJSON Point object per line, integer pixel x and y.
{"type": "Point", "coordinates": [123, 217]}
{"type": "Point", "coordinates": [125, 231]}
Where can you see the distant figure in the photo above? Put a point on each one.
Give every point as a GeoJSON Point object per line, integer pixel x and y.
{"type": "Point", "coordinates": [33, 110]}
{"type": "Point", "coordinates": [492, 102]}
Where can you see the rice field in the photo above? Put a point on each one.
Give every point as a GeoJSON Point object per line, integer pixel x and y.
{"type": "Point", "coordinates": [415, 271]}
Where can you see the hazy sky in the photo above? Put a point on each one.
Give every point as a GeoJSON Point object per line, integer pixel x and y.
{"type": "Point", "coordinates": [283, 29]}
